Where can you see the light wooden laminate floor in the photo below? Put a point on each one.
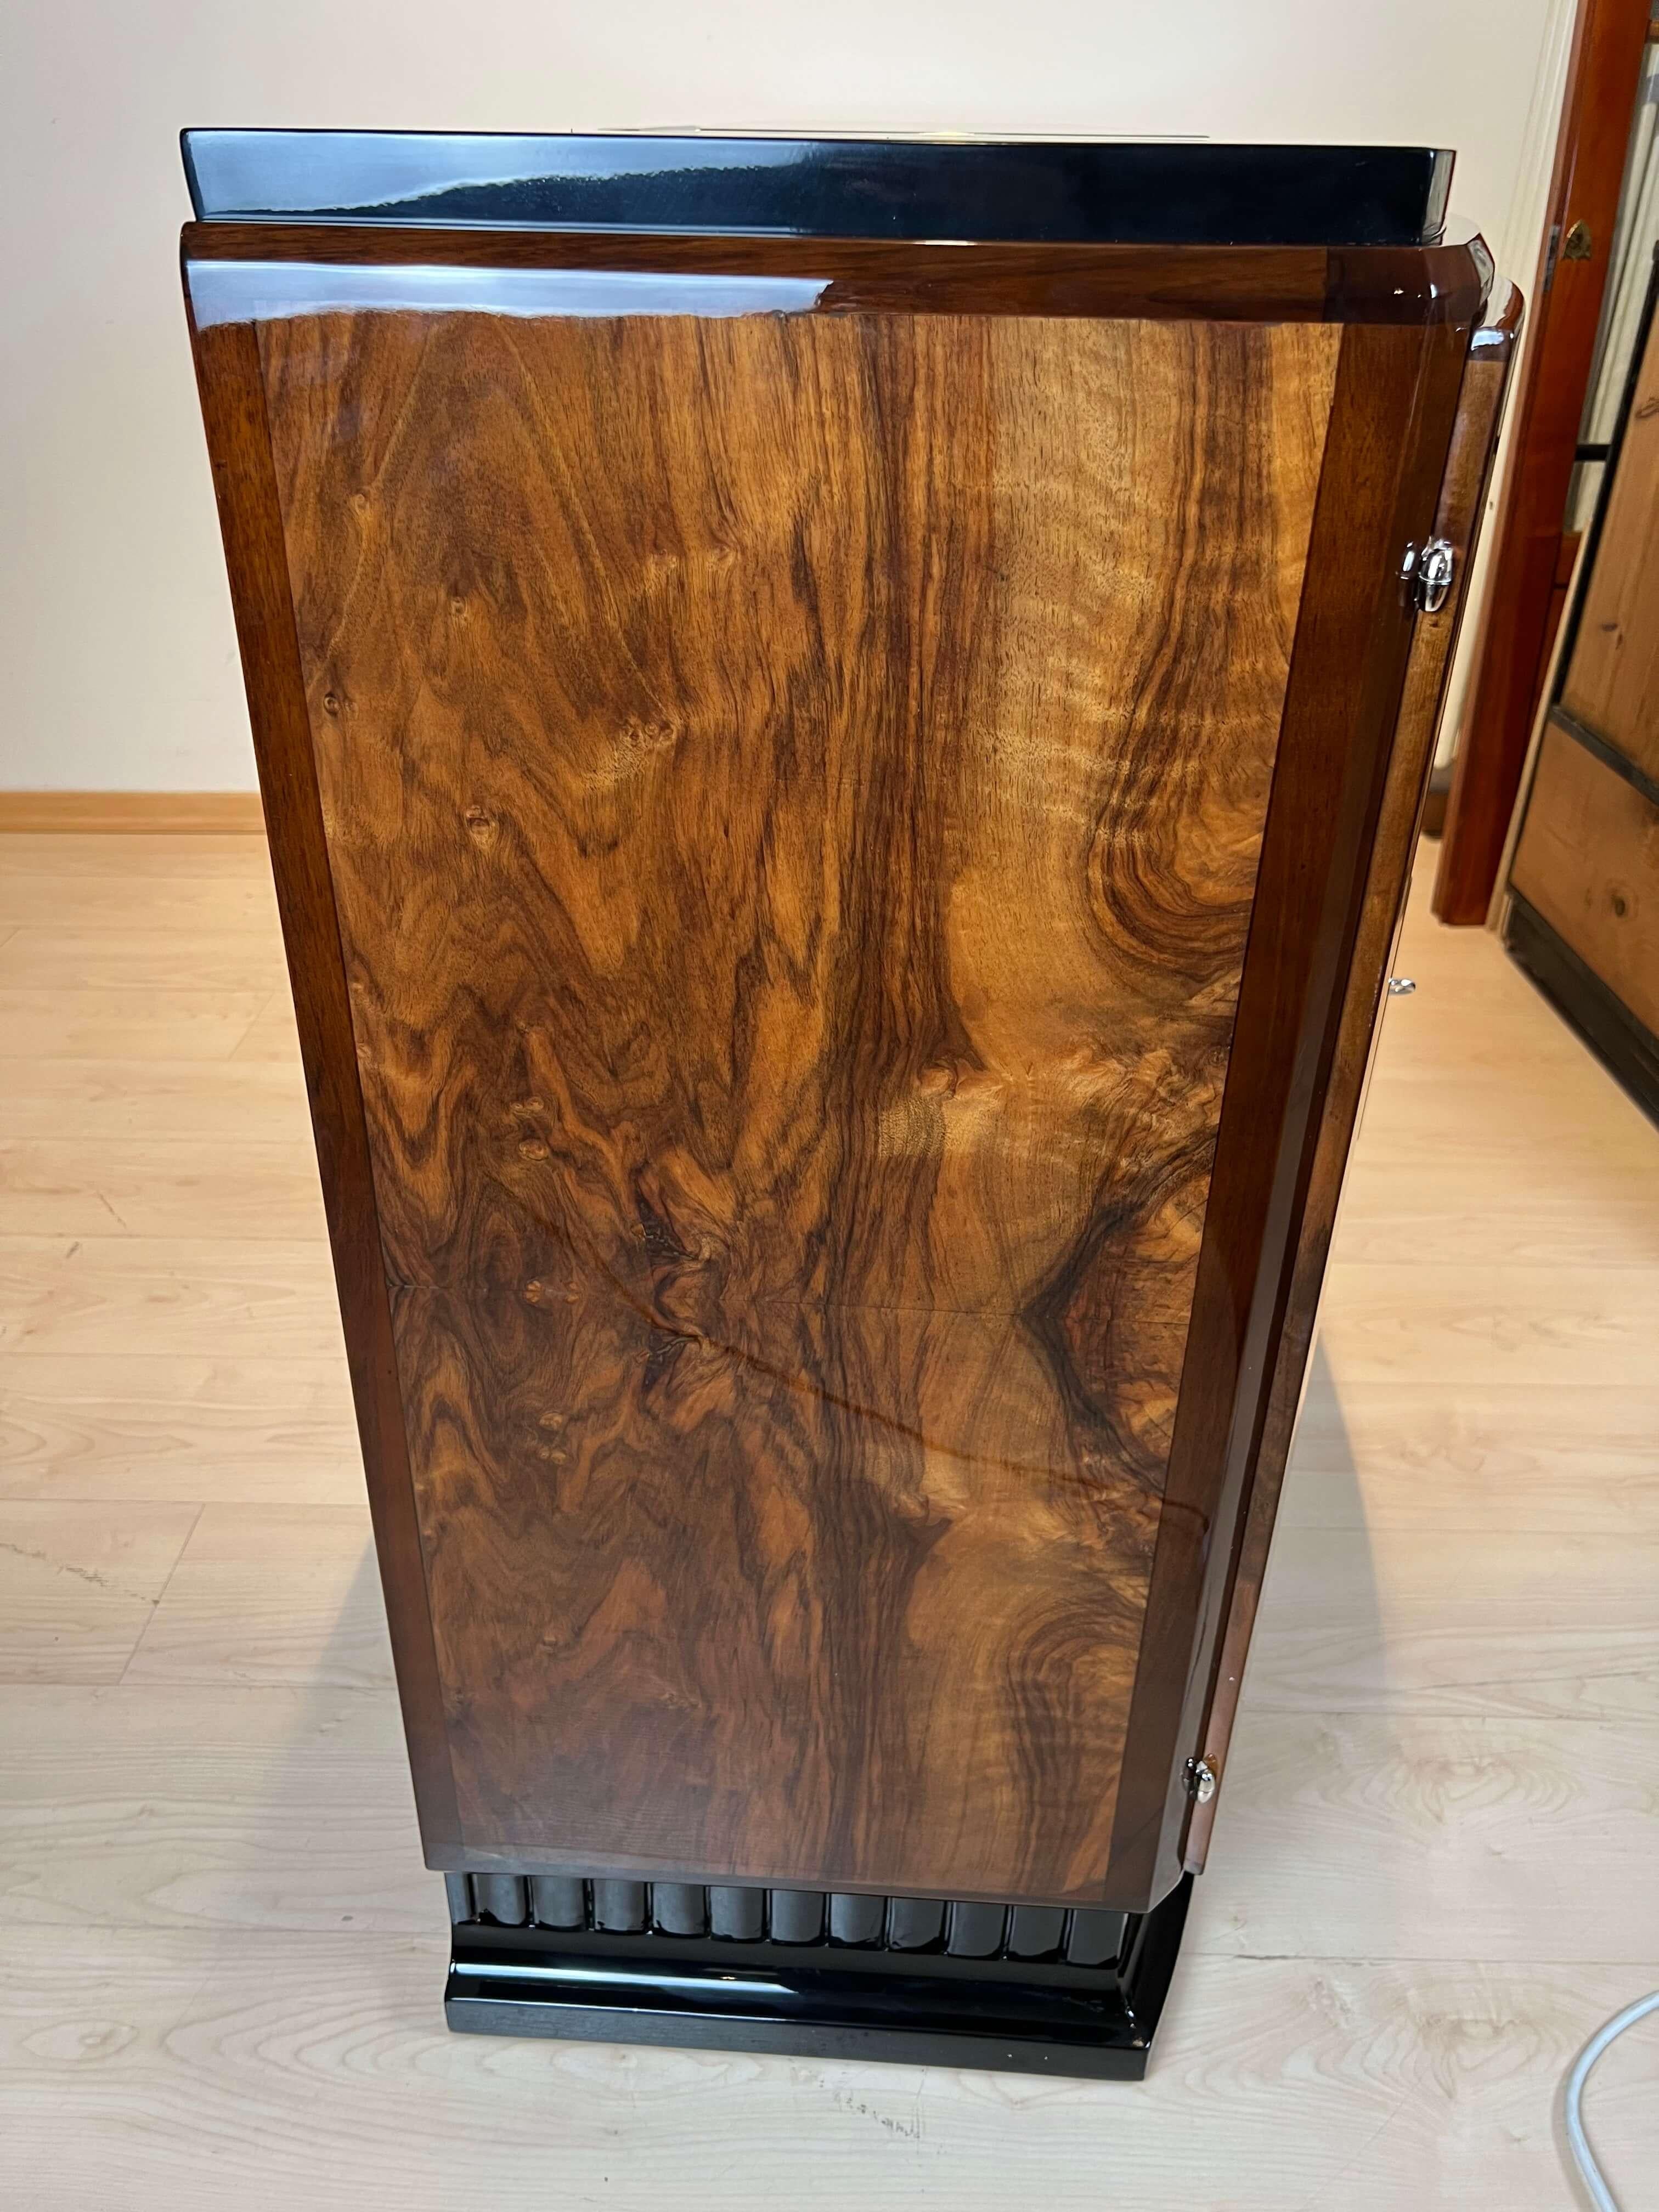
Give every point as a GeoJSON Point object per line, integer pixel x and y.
{"type": "Point", "coordinates": [1434, 1869]}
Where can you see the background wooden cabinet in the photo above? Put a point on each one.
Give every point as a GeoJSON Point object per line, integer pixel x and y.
{"type": "Point", "coordinates": [1584, 916]}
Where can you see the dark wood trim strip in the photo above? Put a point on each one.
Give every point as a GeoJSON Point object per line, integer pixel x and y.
{"type": "Point", "coordinates": [1434, 642]}
{"type": "Point", "coordinates": [1259, 284]}
{"type": "Point", "coordinates": [1391, 424]}
{"type": "Point", "coordinates": [231, 386]}
{"type": "Point", "coordinates": [1606, 752]}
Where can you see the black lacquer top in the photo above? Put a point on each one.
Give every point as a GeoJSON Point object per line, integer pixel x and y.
{"type": "Point", "coordinates": [1073, 191]}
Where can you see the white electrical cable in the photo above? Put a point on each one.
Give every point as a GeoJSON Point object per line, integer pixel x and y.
{"type": "Point", "coordinates": [1577, 2143]}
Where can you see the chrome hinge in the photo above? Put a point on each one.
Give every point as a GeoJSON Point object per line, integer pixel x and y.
{"type": "Point", "coordinates": [1578, 244]}
{"type": "Point", "coordinates": [1400, 986]}
{"type": "Point", "coordinates": [1201, 1780]}
{"type": "Point", "coordinates": [1426, 575]}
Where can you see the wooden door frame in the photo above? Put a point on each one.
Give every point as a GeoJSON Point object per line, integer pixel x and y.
{"type": "Point", "coordinates": [1603, 75]}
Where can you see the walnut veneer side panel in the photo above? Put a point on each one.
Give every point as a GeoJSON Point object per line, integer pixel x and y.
{"type": "Point", "coordinates": [794, 789]}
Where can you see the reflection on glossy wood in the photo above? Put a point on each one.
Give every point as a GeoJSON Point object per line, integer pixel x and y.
{"type": "Point", "coordinates": [793, 1056]}
{"type": "Point", "coordinates": [1442, 283]}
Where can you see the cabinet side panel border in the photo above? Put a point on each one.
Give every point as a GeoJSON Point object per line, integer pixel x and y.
{"type": "Point", "coordinates": [231, 386]}
{"type": "Point", "coordinates": [1386, 447]}
{"type": "Point", "coordinates": [1463, 505]}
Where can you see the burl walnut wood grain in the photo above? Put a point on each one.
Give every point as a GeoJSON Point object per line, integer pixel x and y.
{"type": "Point", "coordinates": [793, 788]}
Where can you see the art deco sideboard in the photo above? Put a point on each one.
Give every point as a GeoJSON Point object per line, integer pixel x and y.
{"type": "Point", "coordinates": [842, 726]}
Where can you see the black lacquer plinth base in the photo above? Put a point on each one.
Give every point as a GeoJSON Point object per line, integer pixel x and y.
{"type": "Point", "coordinates": [926, 1982]}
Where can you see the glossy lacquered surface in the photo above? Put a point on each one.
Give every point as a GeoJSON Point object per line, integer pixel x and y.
{"type": "Point", "coordinates": [262, 272]}
{"type": "Point", "coordinates": [1175, 192]}
{"type": "Point", "coordinates": [1028, 1991]}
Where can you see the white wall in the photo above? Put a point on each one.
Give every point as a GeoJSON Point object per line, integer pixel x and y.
{"type": "Point", "coordinates": [120, 662]}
